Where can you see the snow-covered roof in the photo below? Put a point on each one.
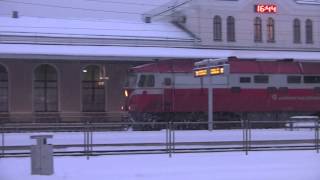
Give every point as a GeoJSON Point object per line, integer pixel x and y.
{"type": "Point", "coordinates": [83, 19]}
{"type": "Point", "coordinates": [119, 29]}
{"type": "Point", "coordinates": [76, 52]}
{"type": "Point", "coordinates": [313, 2]}
{"type": "Point", "coordinates": [304, 117]}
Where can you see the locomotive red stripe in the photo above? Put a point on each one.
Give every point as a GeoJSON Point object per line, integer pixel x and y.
{"type": "Point", "coordinates": [247, 100]}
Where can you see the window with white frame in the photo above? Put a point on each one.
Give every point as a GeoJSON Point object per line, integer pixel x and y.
{"type": "Point", "coordinates": [231, 37]}
{"type": "Point", "coordinates": [217, 28]}
{"type": "Point", "coordinates": [271, 30]}
{"type": "Point", "coordinates": [309, 32]}
{"type": "Point", "coordinates": [296, 31]}
{"type": "Point", "coordinates": [257, 29]}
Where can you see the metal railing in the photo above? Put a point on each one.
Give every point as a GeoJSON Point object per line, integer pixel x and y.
{"type": "Point", "coordinates": [171, 144]}
{"type": "Point", "coordinates": [62, 117]}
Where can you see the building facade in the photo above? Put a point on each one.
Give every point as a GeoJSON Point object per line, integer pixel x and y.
{"type": "Point", "coordinates": [72, 65]}
{"type": "Point", "coordinates": [253, 24]}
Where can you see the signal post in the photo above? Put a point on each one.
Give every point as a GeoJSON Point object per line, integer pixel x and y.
{"type": "Point", "coordinates": [209, 68]}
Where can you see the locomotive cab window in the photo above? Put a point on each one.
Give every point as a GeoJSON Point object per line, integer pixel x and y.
{"type": "Point", "coordinates": [311, 79]}
{"type": "Point", "coordinates": [167, 82]}
{"type": "Point", "coordinates": [245, 79]}
{"type": "Point", "coordinates": [131, 81]}
{"type": "Point", "coordinates": [293, 79]}
{"type": "Point", "coordinates": [261, 79]}
{"type": "Point", "coordinates": [146, 81]}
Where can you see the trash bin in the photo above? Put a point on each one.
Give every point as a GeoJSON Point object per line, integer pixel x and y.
{"type": "Point", "coordinates": [41, 156]}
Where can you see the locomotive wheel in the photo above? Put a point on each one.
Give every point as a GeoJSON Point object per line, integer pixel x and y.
{"type": "Point", "coordinates": [145, 121]}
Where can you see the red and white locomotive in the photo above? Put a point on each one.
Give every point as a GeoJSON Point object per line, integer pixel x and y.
{"type": "Point", "coordinates": [247, 89]}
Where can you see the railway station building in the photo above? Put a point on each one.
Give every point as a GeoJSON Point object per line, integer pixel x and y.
{"type": "Point", "coordinates": [61, 60]}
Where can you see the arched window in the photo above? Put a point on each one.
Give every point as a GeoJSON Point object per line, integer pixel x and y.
{"type": "Point", "coordinates": [296, 31]}
{"type": "Point", "coordinates": [231, 29]}
{"type": "Point", "coordinates": [217, 28]}
{"type": "Point", "coordinates": [309, 32]}
{"type": "Point", "coordinates": [93, 89]}
{"type": "Point", "coordinates": [257, 30]}
{"type": "Point", "coordinates": [3, 89]}
{"type": "Point", "coordinates": [45, 94]}
{"type": "Point", "coordinates": [270, 27]}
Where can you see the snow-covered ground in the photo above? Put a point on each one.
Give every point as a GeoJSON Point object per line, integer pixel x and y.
{"type": "Point", "coordinates": [276, 165]}
{"type": "Point", "coordinates": [292, 165]}
{"type": "Point", "coordinates": [128, 140]}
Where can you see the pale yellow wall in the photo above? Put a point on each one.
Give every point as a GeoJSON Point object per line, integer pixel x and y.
{"type": "Point", "coordinates": [200, 21]}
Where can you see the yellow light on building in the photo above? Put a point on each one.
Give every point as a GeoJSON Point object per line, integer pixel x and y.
{"type": "Point", "coordinates": [200, 72]}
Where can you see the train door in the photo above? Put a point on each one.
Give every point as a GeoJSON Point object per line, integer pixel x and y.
{"type": "Point", "coordinates": [168, 95]}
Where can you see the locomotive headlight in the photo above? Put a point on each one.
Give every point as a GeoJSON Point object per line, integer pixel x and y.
{"type": "Point", "coordinates": [126, 94]}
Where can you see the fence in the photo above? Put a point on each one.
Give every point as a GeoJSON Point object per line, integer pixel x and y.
{"type": "Point", "coordinates": [90, 139]}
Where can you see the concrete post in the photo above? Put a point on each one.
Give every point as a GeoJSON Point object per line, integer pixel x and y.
{"type": "Point", "coordinates": [210, 105]}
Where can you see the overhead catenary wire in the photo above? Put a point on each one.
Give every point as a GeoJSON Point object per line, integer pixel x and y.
{"type": "Point", "coordinates": [95, 10]}
{"type": "Point", "coordinates": [234, 12]}
{"type": "Point", "coordinates": [126, 22]}
{"type": "Point", "coordinates": [129, 21]}
{"type": "Point", "coordinates": [152, 27]}
{"type": "Point", "coordinates": [70, 7]}
{"type": "Point", "coordinates": [124, 3]}
{"type": "Point", "coordinates": [85, 19]}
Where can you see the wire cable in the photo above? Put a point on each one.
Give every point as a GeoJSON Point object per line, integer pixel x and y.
{"type": "Point", "coordinates": [234, 13]}
{"type": "Point", "coordinates": [69, 7]}
{"type": "Point", "coordinates": [124, 3]}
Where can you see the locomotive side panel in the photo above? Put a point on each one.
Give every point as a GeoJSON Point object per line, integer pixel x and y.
{"type": "Point", "coordinates": [190, 100]}
{"type": "Point", "coordinates": [146, 102]}
{"type": "Point", "coordinates": [257, 90]}
{"type": "Point", "coordinates": [260, 100]}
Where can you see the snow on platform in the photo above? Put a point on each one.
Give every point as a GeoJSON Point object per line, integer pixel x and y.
{"type": "Point", "coordinates": [291, 165]}
{"type": "Point", "coordinates": [117, 137]}
{"type": "Point", "coordinates": [302, 165]}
